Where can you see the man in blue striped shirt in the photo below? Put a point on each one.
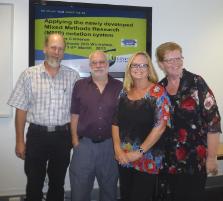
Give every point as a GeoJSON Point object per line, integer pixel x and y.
{"type": "Point", "coordinates": [42, 97]}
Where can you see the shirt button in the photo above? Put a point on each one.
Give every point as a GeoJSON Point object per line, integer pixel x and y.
{"type": "Point", "coordinates": [99, 128]}
{"type": "Point", "coordinates": [100, 118]}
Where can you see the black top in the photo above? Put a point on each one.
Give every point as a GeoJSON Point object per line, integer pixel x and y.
{"type": "Point", "coordinates": [135, 119]}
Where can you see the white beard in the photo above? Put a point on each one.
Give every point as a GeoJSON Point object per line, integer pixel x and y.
{"type": "Point", "coordinates": [54, 63]}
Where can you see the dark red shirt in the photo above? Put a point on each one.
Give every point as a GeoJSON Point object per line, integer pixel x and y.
{"type": "Point", "coordinates": [95, 109]}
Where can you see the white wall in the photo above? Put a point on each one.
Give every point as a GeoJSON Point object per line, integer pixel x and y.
{"type": "Point", "coordinates": [12, 179]}
{"type": "Point", "coordinates": [196, 24]}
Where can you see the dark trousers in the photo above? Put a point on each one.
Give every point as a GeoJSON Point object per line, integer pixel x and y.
{"type": "Point", "coordinates": [46, 153]}
{"type": "Point", "coordinates": [136, 185]}
{"type": "Point", "coordinates": [185, 187]}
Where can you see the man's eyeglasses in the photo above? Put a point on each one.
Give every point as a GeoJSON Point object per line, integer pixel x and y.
{"type": "Point", "coordinates": [139, 66]}
{"type": "Point", "coordinates": [95, 63]}
{"type": "Point", "coordinates": [173, 60]}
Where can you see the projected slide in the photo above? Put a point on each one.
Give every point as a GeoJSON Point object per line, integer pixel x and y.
{"type": "Point", "coordinates": [118, 32]}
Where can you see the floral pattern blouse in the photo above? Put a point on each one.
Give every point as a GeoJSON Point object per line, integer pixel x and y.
{"type": "Point", "coordinates": [135, 119]}
{"type": "Point", "coordinates": [194, 114]}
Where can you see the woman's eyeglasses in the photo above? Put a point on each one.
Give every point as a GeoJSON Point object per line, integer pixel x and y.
{"type": "Point", "coordinates": [139, 66]}
{"type": "Point", "coordinates": [173, 60]}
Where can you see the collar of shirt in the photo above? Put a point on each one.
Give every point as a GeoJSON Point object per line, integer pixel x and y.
{"type": "Point", "coordinates": [44, 71]}
{"type": "Point", "coordinates": [90, 79]}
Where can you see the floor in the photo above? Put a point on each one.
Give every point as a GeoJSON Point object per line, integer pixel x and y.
{"type": "Point", "coordinates": [214, 192]}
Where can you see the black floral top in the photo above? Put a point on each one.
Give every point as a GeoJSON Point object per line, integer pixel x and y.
{"type": "Point", "coordinates": [135, 119]}
{"type": "Point", "coordinates": [194, 114]}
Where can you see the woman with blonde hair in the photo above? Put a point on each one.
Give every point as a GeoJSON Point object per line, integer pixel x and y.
{"type": "Point", "coordinates": [141, 117]}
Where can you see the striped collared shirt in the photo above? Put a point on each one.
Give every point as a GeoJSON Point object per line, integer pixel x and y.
{"type": "Point", "coordinates": [47, 100]}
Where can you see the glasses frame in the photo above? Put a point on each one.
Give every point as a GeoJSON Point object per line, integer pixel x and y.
{"type": "Point", "coordinates": [101, 63]}
{"type": "Point", "coordinates": [173, 60]}
{"type": "Point", "coordinates": [139, 66]}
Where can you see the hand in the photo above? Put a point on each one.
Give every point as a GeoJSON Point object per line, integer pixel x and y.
{"type": "Point", "coordinates": [212, 166]}
{"type": "Point", "coordinates": [75, 143]}
{"type": "Point", "coordinates": [20, 150]}
{"type": "Point", "coordinates": [121, 156]}
{"type": "Point", "coordinates": [134, 156]}
{"type": "Point", "coordinates": [75, 140]}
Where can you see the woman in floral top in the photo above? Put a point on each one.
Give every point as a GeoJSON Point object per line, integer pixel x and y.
{"type": "Point", "coordinates": [141, 118]}
{"type": "Point", "coordinates": [191, 145]}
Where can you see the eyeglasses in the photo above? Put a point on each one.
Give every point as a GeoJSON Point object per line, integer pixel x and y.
{"type": "Point", "coordinates": [139, 66]}
{"type": "Point", "coordinates": [95, 63]}
{"type": "Point", "coordinates": [173, 60]}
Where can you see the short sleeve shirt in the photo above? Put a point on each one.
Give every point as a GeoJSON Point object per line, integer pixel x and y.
{"type": "Point", "coordinates": [135, 119]}
{"type": "Point", "coordinates": [46, 99]}
{"type": "Point", "coordinates": [95, 109]}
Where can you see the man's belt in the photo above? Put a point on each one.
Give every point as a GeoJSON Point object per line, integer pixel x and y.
{"type": "Point", "coordinates": [65, 127]}
{"type": "Point", "coordinates": [93, 140]}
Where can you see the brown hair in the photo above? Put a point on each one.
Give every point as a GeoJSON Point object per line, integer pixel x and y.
{"type": "Point", "coordinates": [164, 48]}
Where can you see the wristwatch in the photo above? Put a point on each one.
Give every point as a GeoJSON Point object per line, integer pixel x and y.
{"type": "Point", "coordinates": [141, 150]}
